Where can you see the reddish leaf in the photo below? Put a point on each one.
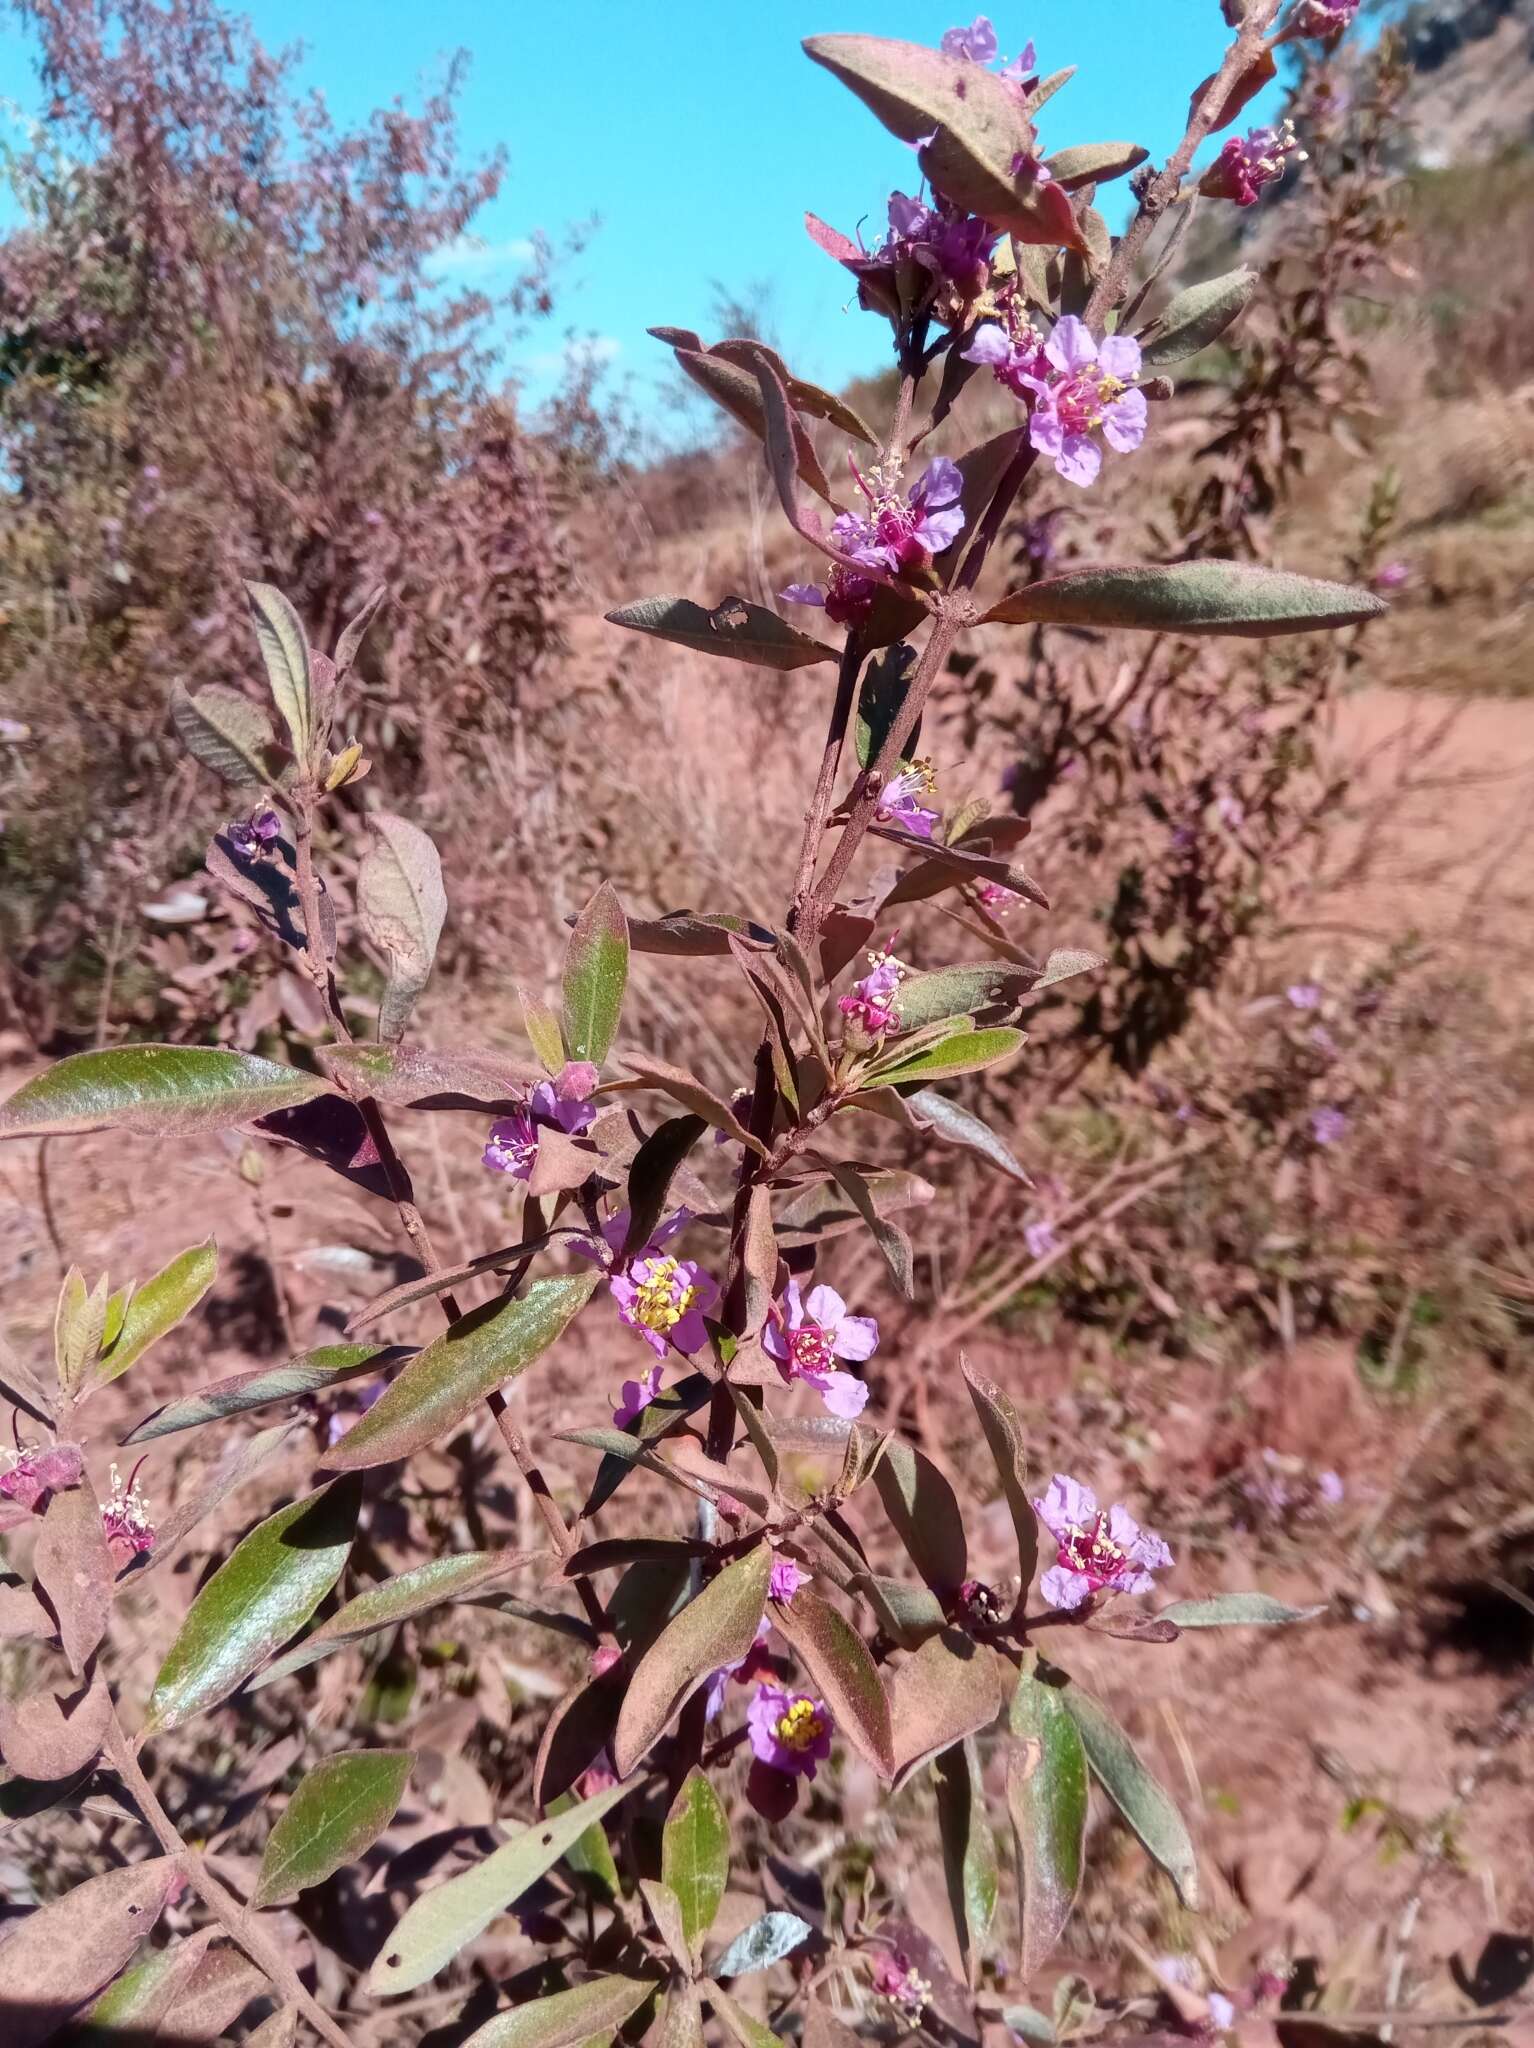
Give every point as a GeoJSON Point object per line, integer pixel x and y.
{"type": "Point", "coordinates": [73, 1567]}
{"type": "Point", "coordinates": [837, 1660]}
{"type": "Point", "coordinates": [63, 1953]}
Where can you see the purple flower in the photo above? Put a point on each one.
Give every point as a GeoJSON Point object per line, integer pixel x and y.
{"type": "Point", "coordinates": [1098, 1552]}
{"type": "Point", "coordinates": [1391, 575]}
{"type": "Point", "coordinates": [846, 599]}
{"type": "Point", "coordinates": [33, 1474]}
{"type": "Point", "coordinates": [871, 1002]}
{"type": "Point", "coordinates": [805, 1338]}
{"type": "Point", "coordinates": [562, 1105]}
{"type": "Point", "coordinates": [125, 1519]}
{"type": "Point", "coordinates": [899, 802]}
{"type": "Point", "coordinates": [977, 42]}
{"type": "Point", "coordinates": [791, 1731]}
{"type": "Point", "coordinates": [953, 246]}
{"type": "Point", "coordinates": [1231, 810]}
{"type": "Point", "coordinates": [1303, 995]}
{"type": "Point", "coordinates": [1040, 1238]}
{"type": "Point", "coordinates": [1248, 164]}
{"type": "Point", "coordinates": [252, 833]}
{"type": "Point", "coordinates": [902, 1986]}
{"type": "Point", "coordinates": [663, 1299]}
{"type": "Point", "coordinates": [998, 898]}
{"type": "Point", "coordinates": [1089, 389]}
{"type": "Point", "coordinates": [634, 1396]}
{"type": "Point", "coordinates": [713, 1703]}
{"type": "Point", "coordinates": [1322, 17]}
{"type": "Point", "coordinates": [785, 1579]}
{"type": "Point", "coordinates": [1328, 1124]}
{"type": "Point", "coordinates": [1015, 353]}
{"type": "Point", "coordinates": [1330, 1487]}
{"type": "Point", "coordinates": [902, 535]}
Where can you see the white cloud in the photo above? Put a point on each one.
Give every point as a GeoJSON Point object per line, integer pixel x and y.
{"type": "Point", "coordinates": [471, 256]}
{"type": "Point", "coordinates": [581, 352]}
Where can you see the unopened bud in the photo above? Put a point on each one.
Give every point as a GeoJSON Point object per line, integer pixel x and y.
{"type": "Point", "coordinates": [1158, 387]}
{"type": "Point", "coordinates": [344, 767]}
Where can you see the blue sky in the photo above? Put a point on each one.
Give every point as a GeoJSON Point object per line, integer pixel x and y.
{"type": "Point", "coordinates": [700, 135]}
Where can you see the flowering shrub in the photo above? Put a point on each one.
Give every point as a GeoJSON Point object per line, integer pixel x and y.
{"type": "Point", "coordinates": [751, 1571]}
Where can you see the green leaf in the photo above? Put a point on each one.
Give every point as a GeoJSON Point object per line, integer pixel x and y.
{"type": "Point", "coordinates": [66, 1951]}
{"type": "Point", "coordinates": [907, 1614]}
{"type": "Point", "coordinates": [543, 1032]}
{"type": "Point", "coordinates": [968, 1052]}
{"type": "Point", "coordinates": [265, 1592]}
{"type": "Point", "coordinates": [310, 1373]}
{"type": "Point", "coordinates": [402, 905]}
{"type": "Point", "coordinates": [1196, 316]}
{"type": "Point", "coordinates": [716, 1628]}
{"type": "Point", "coordinates": [591, 1858]}
{"type": "Point", "coordinates": [157, 1307]}
{"type": "Point", "coordinates": [925, 1514]}
{"type": "Point", "coordinates": [695, 1855]}
{"type": "Point", "coordinates": [843, 1672]}
{"type": "Point", "coordinates": [401, 1598]}
{"type": "Point", "coordinates": [336, 1814]}
{"type": "Point", "coordinates": [1236, 1610]}
{"type": "Point", "coordinates": [885, 686]}
{"type": "Point", "coordinates": [1047, 1799]}
{"type": "Point", "coordinates": [223, 730]}
{"type": "Point", "coordinates": [451, 1915]}
{"type": "Point", "coordinates": [156, 1090]}
{"type": "Point", "coordinates": [454, 1373]}
{"type": "Point", "coordinates": [568, 2019]}
{"type": "Point", "coordinates": [79, 1323]}
{"type": "Point", "coordinates": [950, 1688]}
{"type": "Point", "coordinates": [1030, 2023]}
{"type": "Point", "coordinates": [681, 2024]}
{"type": "Point", "coordinates": [285, 650]}
{"type": "Point", "coordinates": [695, 934]}
{"type": "Point", "coordinates": [1092, 163]}
{"type": "Point", "coordinates": [763, 1943]}
{"type": "Point", "coordinates": [596, 973]}
{"type": "Point", "coordinates": [1003, 1431]}
{"type": "Point", "coordinates": [1189, 597]}
{"type": "Point", "coordinates": [956, 1125]}
{"type": "Point", "coordinates": [969, 1851]}
{"type": "Point", "coordinates": [1136, 1794]}
{"type": "Point", "coordinates": [960, 992]}
{"type": "Point", "coordinates": [742, 631]}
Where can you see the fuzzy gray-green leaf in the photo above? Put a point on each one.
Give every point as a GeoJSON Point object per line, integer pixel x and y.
{"type": "Point", "coordinates": [154, 1090]}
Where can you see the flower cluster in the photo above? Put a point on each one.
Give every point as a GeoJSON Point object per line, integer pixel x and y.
{"type": "Point", "coordinates": [898, 536]}
{"type": "Point", "coordinates": [870, 1003]}
{"type": "Point", "coordinates": [562, 1105]}
{"type": "Point", "coordinates": [1078, 387]}
{"type": "Point", "coordinates": [805, 1338]}
{"type": "Point", "coordinates": [978, 43]}
{"type": "Point", "coordinates": [250, 835]}
{"type": "Point", "coordinates": [125, 1520]}
{"type": "Point", "coordinates": [952, 246]}
{"type": "Point", "coordinates": [1249, 163]}
{"type": "Point", "coordinates": [902, 1987]}
{"type": "Point", "coordinates": [790, 1731]}
{"type": "Point", "coordinates": [1099, 1553]}
{"type": "Point", "coordinates": [33, 1474]}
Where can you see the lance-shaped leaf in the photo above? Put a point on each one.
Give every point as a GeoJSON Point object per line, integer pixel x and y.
{"type": "Point", "coordinates": [1196, 316]}
{"type": "Point", "coordinates": [716, 1628]}
{"type": "Point", "coordinates": [79, 1323]}
{"type": "Point", "coordinates": [690, 1092]}
{"type": "Point", "coordinates": [666, 1911]}
{"type": "Point", "coordinates": [655, 1166]}
{"type": "Point", "coordinates": [158, 1091]}
{"type": "Point", "coordinates": [885, 686]}
{"type": "Point", "coordinates": [1189, 597]}
{"type": "Point", "coordinates": [155, 1308]}
{"type": "Point", "coordinates": [458, 1369]}
{"type": "Point", "coordinates": [743, 631]}
{"type": "Point", "coordinates": [402, 905]}
{"type": "Point", "coordinates": [925, 1514]}
{"type": "Point", "coordinates": [889, 1237]}
{"type": "Point", "coordinates": [596, 974]}
{"type": "Point", "coordinates": [968, 1052]}
{"type": "Point", "coordinates": [1047, 1799]}
{"type": "Point", "coordinates": [419, 1077]}
{"type": "Point", "coordinates": [969, 1851]}
{"type": "Point", "coordinates": [681, 2023]}
{"type": "Point", "coordinates": [1093, 163]}
{"type": "Point", "coordinates": [696, 934]}
{"type": "Point", "coordinates": [956, 1125]}
{"type": "Point", "coordinates": [960, 992]}
{"type": "Point", "coordinates": [467, 1575]}
{"type": "Point", "coordinates": [826, 1210]}
{"type": "Point", "coordinates": [128, 2014]}
{"type": "Point", "coordinates": [1003, 1431]}
{"type": "Point", "coordinates": [312, 1372]}
{"type": "Point", "coordinates": [451, 1915]}
{"type": "Point", "coordinates": [1139, 1798]}
{"type": "Point", "coordinates": [695, 1855]}
{"type": "Point", "coordinates": [62, 1954]}
{"type": "Point", "coordinates": [336, 1814]}
{"type": "Point", "coordinates": [763, 1943]}
{"type": "Point", "coordinates": [240, 1461]}
{"type": "Point", "coordinates": [226, 732]}
{"type": "Point", "coordinates": [285, 651]}
{"type": "Point", "coordinates": [58, 1727]}
{"type": "Point", "coordinates": [592, 2012]}
{"type": "Point", "coordinates": [736, 389]}
{"type": "Point", "coordinates": [1236, 1610]}
{"type": "Point", "coordinates": [803, 397]}
{"type": "Point", "coordinates": [843, 1672]}
{"type": "Point", "coordinates": [951, 1687]}
{"type": "Point", "coordinates": [265, 1592]}
{"type": "Point", "coordinates": [982, 128]}
{"type": "Point", "coordinates": [74, 1568]}
{"type": "Point", "coordinates": [946, 867]}
{"type": "Point", "coordinates": [543, 1030]}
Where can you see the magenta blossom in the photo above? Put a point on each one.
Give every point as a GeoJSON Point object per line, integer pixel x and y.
{"type": "Point", "coordinates": [902, 1986]}
{"type": "Point", "coordinates": [562, 1105]}
{"type": "Point", "coordinates": [998, 898]}
{"type": "Point", "coordinates": [870, 1004]}
{"type": "Point", "coordinates": [125, 1520]}
{"type": "Point", "coordinates": [953, 246]}
{"type": "Point", "coordinates": [903, 534]}
{"type": "Point", "coordinates": [900, 800]}
{"type": "Point", "coordinates": [805, 1338]}
{"type": "Point", "coordinates": [1328, 1124]}
{"type": "Point", "coordinates": [1089, 388]}
{"type": "Point", "coordinates": [251, 834]}
{"type": "Point", "coordinates": [634, 1396]}
{"type": "Point", "coordinates": [785, 1579]}
{"type": "Point", "coordinates": [33, 1474]}
{"type": "Point", "coordinates": [1392, 575]}
{"type": "Point", "coordinates": [791, 1731]}
{"type": "Point", "coordinates": [846, 600]}
{"type": "Point", "coordinates": [1099, 1553]}
{"type": "Point", "coordinates": [1322, 17]}
{"type": "Point", "coordinates": [978, 43]}
{"type": "Point", "coordinates": [1013, 353]}
{"type": "Point", "coordinates": [664, 1300]}
{"type": "Point", "coordinates": [1040, 1238]}
{"type": "Point", "coordinates": [1248, 164]}
{"type": "Point", "coordinates": [1303, 995]}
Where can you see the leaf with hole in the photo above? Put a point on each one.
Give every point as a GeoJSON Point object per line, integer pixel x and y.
{"type": "Point", "coordinates": [62, 1954]}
